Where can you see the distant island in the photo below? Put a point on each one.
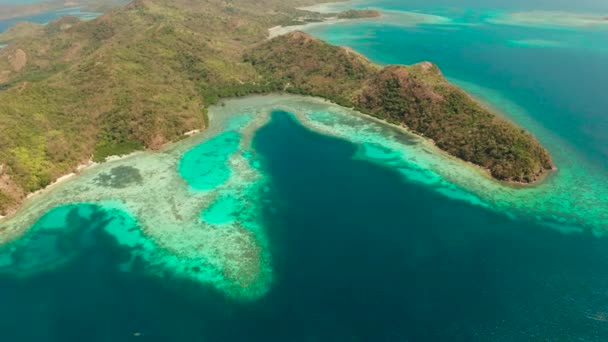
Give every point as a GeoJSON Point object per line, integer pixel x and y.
{"type": "Point", "coordinates": [143, 75]}
{"type": "Point", "coordinates": [311, 17]}
{"type": "Point", "coordinates": [16, 10]}
{"type": "Point", "coordinates": [358, 14]}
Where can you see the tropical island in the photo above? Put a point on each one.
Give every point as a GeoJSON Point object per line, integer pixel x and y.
{"type": "Point", "coordinates": [8, 11]}
{"type": "Point", "coordinates": [358, 14]}
{"type": "Point", "coordinates": [143, 75]}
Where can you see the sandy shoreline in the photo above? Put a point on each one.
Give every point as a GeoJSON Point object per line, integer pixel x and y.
{"type": "Point", "coordinates": [330, 7]}
{"type": "Point", "coordinates": [324, 8]}
{"type": "Point", "coordinates": [83, 167]}
{"type": "Point", "coordinates": [281, 30]}
{"type": "Point", "coordinates": [79, 169]}
{"type": "Point", "coordinates": [424, 162]}
{"type": "Point", "coordinates": [61, 179]}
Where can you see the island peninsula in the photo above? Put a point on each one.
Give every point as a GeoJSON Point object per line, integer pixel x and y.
{"type": "Point", "coordinates": [142, 75]}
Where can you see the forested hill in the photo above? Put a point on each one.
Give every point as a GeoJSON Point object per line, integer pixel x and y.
{"type": "Point", "coordinates": [143, 75]}
{"type": "Point", "coordinates": [136, 77]}
{"type": "Point", "coordinates": [417, 97]}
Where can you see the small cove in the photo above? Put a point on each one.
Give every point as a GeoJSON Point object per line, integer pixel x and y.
{"type": "Point", "coordinates": [290, 218]}
{"type": "Point", "coordinates": [357, 250]}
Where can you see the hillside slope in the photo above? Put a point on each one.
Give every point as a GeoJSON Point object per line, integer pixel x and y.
{"type": "Point", "coordinates": [19, 30]}
{"type": "Point", "coordinates": [143, 75]}
{"type": "Point", "coordinates": [417, 97]}
{"type": "Point", "coordinates": [136, 77]}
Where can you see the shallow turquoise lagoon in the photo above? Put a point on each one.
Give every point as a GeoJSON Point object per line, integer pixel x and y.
{"type": "Point", "coordinates": [358, 252]}
{"type": "Point", "coordinates": [290, 219]}
{"type": "Point", "coordinates": [557, 75]}
{"type": "Point", "coordinates": [543, 65]}
{"type": "Point", "coordinates": [46, 17]}
{"type": "Point", "coordinates": [205, 166]}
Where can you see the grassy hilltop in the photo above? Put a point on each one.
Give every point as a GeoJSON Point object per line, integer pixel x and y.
{"type": "Point", "coordinates": [140, 76]}
{"type": "Point", "coordinates": [358, 14]}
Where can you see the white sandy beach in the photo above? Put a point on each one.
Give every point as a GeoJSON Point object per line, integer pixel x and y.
{"type": "Point", "coordinates": [62, 179]}
{"type": "Point", "coordinates": [281, 30]}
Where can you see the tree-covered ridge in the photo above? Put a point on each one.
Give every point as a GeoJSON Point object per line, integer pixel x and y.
{"type": "Point", "coordinates": [302, 64]}
{"type": "Point", "coordinates": [143, 75]}
{"type": "Point", "coordinates": [358, 14]}
{"type": "Point", "coordinates": [417, 97]}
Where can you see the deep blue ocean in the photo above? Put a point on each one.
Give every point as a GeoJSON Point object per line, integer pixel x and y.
{"type": "Point", "coordinates": [359, 254]}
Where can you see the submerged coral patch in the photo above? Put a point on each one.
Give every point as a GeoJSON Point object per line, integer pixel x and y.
{"type": "Point", "coordinates": [165, 208]}
{"type": "Point", "coordinates": [205, 166]}
{"type": "Point", "coordinates": [53, 240]}
{"type": "Point", "coordinates": [195, 210]}
{"type": "Point", "coordinates": [223, 210]}
{"type": "Point", "coordinates": [120, 177]}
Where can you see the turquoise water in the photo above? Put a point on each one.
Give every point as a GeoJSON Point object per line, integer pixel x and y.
{"type": "Point", "coordinates": [205, 166]}
{"type": "Point", "coordinates": [537, 65]}
{"type": "Point", "coordinates": [46, 17]}
{"type": "Point", "coordinates": [62, 234]}
{"type": "Point", "coordinates": [293, 220]}
{"type": "Point", "coordinates": [557, 76]}
{"type": "Point", "coordinates": [357, 255]}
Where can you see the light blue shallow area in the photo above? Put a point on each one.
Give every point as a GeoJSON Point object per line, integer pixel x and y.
{"type": "Point", "coordinates": [46, 17]}
{"type": "Point", "coordinates": [238, 122]}
{"type": "Point", "coordinates": [369, 256]}
{"type": "Point", "coordinates": [64, 232]}
{"type": "Point", "coordinates": [542, 65]}
{"type": "Point", "coordinates": [222, 211]}
{"type": "Point", "coordinates": [558, 77]}
{"type": "Point", "coordinates": [205, 166]}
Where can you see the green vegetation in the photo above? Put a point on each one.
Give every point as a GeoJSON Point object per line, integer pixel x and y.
{"type": "Point", "coordinates": [358, 14]}
{"type": "Point", "coordinates": [20, 29]}
{"type": "Point", "coordinates": [28, 8]}
{"type": "Point", "coordinates": [137, 77]}
{"type": "Point", "coordinates": [417, 97]}
{"type": "Point", "coordinates": [143, 75]}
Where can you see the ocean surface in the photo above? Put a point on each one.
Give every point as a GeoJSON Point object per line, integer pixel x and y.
{"type": "Point", "coordinates": [291, 219]}
{"type": "Point", "coordinates": [554, 70]}
{"type": "Point", "coordinates": [18, 2]}
{"type": "Point", "coordinates": [46, 17]}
